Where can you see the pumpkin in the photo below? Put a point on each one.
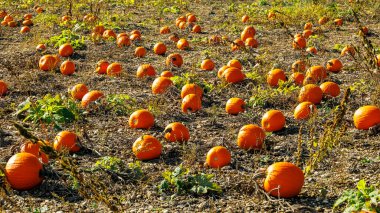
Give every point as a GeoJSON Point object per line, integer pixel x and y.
{"type": "Point", "coordinates": [101, 67]}
{"type": "Point", "coordinates": [207, 64]}
{"type": "Point", "coordinates": [107, 34]}
{"type": "Point", "coordinates": [182, 44]}
{"type": "Point", "coordinates": [233, 75]}
{"type": "Point", "coordinates": [251, 136]}
{"type": "Point", "coordinates": [135, 37]}
{"type": "Point", "coordinates": [196, 29]}
{"type": "Point", "coordinates": [176, 132]}
{"type": "Point", "coordinates": [330, 89]}
{"type": "Point", "coordinates": [78, 91]}
{"type": "Point", "coordinates": [44, 158]}
{"type": "Point", "coordinates": [122, 34]}
{"type": "Point", "coordinates": [8, 18]}
{"type": "Point", "coordinates": [4, 23]}
{"type": "Point", "coordinates": [3, 88]}
{"type": "Point", "coordinates": [3, 13]}
{"type": "Point", "coordinates": [221, 71]}
{"type": "Point", "coordinates": [215, 39]}
{"type": "Point", "coordinates": [248, 32]}
{"type": "Point", "coordinates": [41, 47]}
{"type": "Point", "coordinates": [141, 119]}
{"type": "Point", "coordinates": [12, 24]}
{"type": "Point", "coordinates": [298, 78]}
{"type": "Point", "coordinates": [274, 76]}
{"type": "Point", "coordinates": [237, 44]}
{"type": "Point", "coordinates": [271, 15]}
{"type": "Point", "coordinates": [145, 70]}
{"type": "Point", "coordinates": [191, 18]}
{"type": "Point", "coordinates": [66, 50]}
{"type": "Point", "coordinates": [317, 72]}
{"type": "Point", "coordinates": [218, 157]}
{"type": "Point", "coordinates": [91, 97]}
{"type": "Point", "coordinates": [273, 120]}
{"type": "Point", "coordinates": [191, 102]}
{"type": "Point", "coordinates": [309, 79]}
{"type": "Point", "coordinates": [27, 23]}
{"type": "Point", "coordinates": [39, 10]}
{"type": "Point", "coordinates": [161, 84]}
{"type": "Point", "coordinates": [167, 74]}
{"type": "Point", "coordinates": [235, 106]}
{"type": "Point", "coordinates": [366, 117]}
{"type": "Point", "coordinates": [174, 59]}
{"type": "Point", "coordinates": [182, 25]}
{"type": "Point", "coordinates": [99, 29]}
{"type": "Point", "coordinates": [235, 63]}
{"type": "Point", "coordinates": [66, 140]}
{"type": "Point", "coordinates": [147, 147]}
{"type": "Point", "coordinates": [338, 22]}
{"type": "Point", "coordinates": [23, 171]}
{"type": "Point", "coordinates": [364, 30]}
{"type": "Point", "coordinates": [308, 26]}
{"type": "Point", "coordinates": [30, 147]}
{"type": "Point", "coordinates": [378, 60]}
{"type": "Point", "coordinates": [299, 43]}
{"type": "Point", "coordinates": [334, 65]}
{"type": "Point", "coordinates": [47, 62]}
{"type": "Point", "coordinates": [140, 52]}
{"type": "Point", "coordinates": [304, 110]}
{"type": "Point", "coordinates": [323, 20]}
{"type": "Point", "coordinates": [245, 19]}
{"type": "Point", "coordinates": [159, 48]}
{"type": "Point", "coordinates": [164, 30]}
{"type": "Point", "coordinates": [123, 41]}
{"type": "Point", "coordinates": [283, 179]}
{"type": "Point", "coordinates": [251, 42]}
{"type": "Point", "coordinates": [114, 69]}
{"type": "Point", "coordinates": [180, 19]}
{"type": "Point", "coordinates": [299, 66]}
{"type": "Point", "coordinates": [310, 92]}
{"type": "Point", "coordinates": [307, 33]}
{"type": "Point", "coordinates": [191, 89]}
{"type": "Point", "coordinates": [67, 68]}
{"type": "Point", "coordinates": [312, 50]}
{"type": "Point", "coordinates": [174, 38]}
{"type": "Point", "coordinates": [347, 50]}
{"type": "Point", "coordinates": [137, 32]}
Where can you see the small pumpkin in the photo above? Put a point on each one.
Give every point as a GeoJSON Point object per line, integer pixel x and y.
{"type": "Point", "coordinates": [47, 62]}
{"type": "Point", "coordinates": [182, 25]}
{"type": "Point", "coordinates": [27, 23]}
{"type": "Point", "coordinates": [191, 89]}
{"type": "Point", "coordinates": [347, 50]}
{"type": "Point", "coordinates": [207, 64]}
{"type": "Point", "coordinates": [364, 30]}
{"type": "Point", "coordinates": [137, 32]}
{"type": "Point", "coordinates": [145, 70]}
{"type": "Point", "coordinates": [274, 76]}
{"type": "Point", "coordinates": [122, 34]}
{"type": "Point", "coordinates": [174, 59]}
{"type": "Point", "coordinates": [218, 157]}
{"type": "Point", "coordinates": [41, 47]}
{"type": "Point", "coordinates": [221, 71]}
{"type": "Point", "coordinates": [78, 91]}
{"type": "Point", "coordinates": [283, 179]}
{"type": "Point", "coordinates": [174, 38]}
{"type": "Point", "coordinates": [91, 97]}
{"type": "Point", "coordinates": [141, 119]}
{"type": "Point", "coordinates": [330, 89]}
{"type": "Point", "coordinates": [237, 44]}
{"type": "Point", "coordinates": [183, 44]}
{"type": "Point", "coordinates": [233, 75]}
{"type": "Point", "coordinates": [135, 37]}
{"type": "Point", "coordinates": [307, 33]}
{"type": "Point", "coordinates": [378, 60]}
{"type": "Point", "coordinates": [251, 136]}
{"type": "Point", "coordinates": [99, 29]}
{"type": "Point", "coordinates": [235, 106]}
{"type": "Point", "coordinates": [140, 52]}
{"type": "Point", "coordinates": [164, 30]}
{"type": "Point", "coordinates": [298, 78]}
{"type": "Point", "coordinates": [323, 20]}
{"type": "Point", "coordinates": [191, 18]}
{"type": "Point", "coordinates": [273, 120]}
{"type": "Point", "coordinates": [235, 63]}
{"type": "Point", "coordinates": [159, 48]}
{"type": "Point", "coordinates": [160, 85]}
{"type": "Point", "coordinates": [308, 26]}
{"type": "Point", "coordinates": [123, 41]}
{"type": "Point", "coordinates": [67, 68]}
{"type": "Point", "coordinates": [304, 110]}
{"type": "Point", "coordinates": [338, 22]}
{"type": "Point", "coordinates": [66, 140]}
{"type": "Point", "coordinates": [196, 29]}
{"type": "Point", "coordinates": [334, 65]}
{"type": "Point", "coordinates": [66, 50]}
{"type": "Point", "coordinates": [147, 147]}
{"type": "Point", "coordinates": [191, 102]}
{"type": "Point", "coordinates": [12, 24]}
{"type": "Point", "coordinates": [312, 50]}
{"type": "Point", "coordinates": [177, 132]}
{"type": "Point", "coordinates": [3, 88]}
{"type": "Point", "coordinates": [107, 34]}
{"type": "Point", "coordinates": [101, 67]}
{"type": "Point", "coordinates": [215, 39]}
{"type": "Point", "coordinates": [30, 147]}
{"type": "Point", "coordinates": [245, 19]}
{"type": "Point", "coordinates": [366, 117]}
{"type": "Point", "coordinates": [114, 69]}
{"type": "Point", "coordinates": [251, 42]}
{"type": "Point", "coordinates": [310, 92]}
{"type": "Point", "coordinates": [317, 72]}
{"type": "Point", "coordinates": [299, 43]}
{"type": "Point", "coordinates": [248, 32]}
{"type": "Point", "coordinates": [299, 66]}
{"type": "Point", "coordinates": [167, 74]}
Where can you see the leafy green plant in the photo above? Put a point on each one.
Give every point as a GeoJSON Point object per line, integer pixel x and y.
{"type": "Point", "coordinates": [117, 167]}
{"type": "Point", "coordinates": [55, 110]}
{"type": "Point", "coordinates": [67, 36]}
{"type": "Point", "coordinates": [121, 104]}
{"type": "Point", "coordinates": [180, 181]}
{"type": "Point", "coordinates": [363, 198]}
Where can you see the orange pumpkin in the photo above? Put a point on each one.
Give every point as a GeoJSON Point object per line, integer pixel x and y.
{"type": "Point", "coordinates": [174, 59]}
{"type": "Point", "coordinates": [107, 34]}
{"type": "Point", "coordinates": [91, 97]}
{"type": "Point", "coordinates": [308, 26]}
{"type": "Point", "coordinates": [235, 106]}
{"type": "Point", "coordinates": [248, 32]}
{"type": "Point", "coordinates": [364, 30]}
{"type": "Point", "coordinates": [378, 60]}
{"type": "Point", "coordinates": [233, 75]}
{"type": "Point", "coordinates": [330, 89]}
{"type": "Point", "coordinates": [99, 29]}
{"type": "Point", "coordinates": [338, 22]}
{"type": "Point", "coordinates": [41, 47]}
{"type": "Point", "coordinates": [312, 50]}
{"type": "Point", "coordinates": [66, 50]}
{"type": "Point", "coordinates": [177, 132]}
{"type": "Point", "coordinates": [207, 64]}
{"type": "Point", "coordinates": [283, 179]}
{"type": "Point", "coordinates": [251, 136]}
{"type": "Point", "coordinates": [122, 34]}
{"type": "Point", "coordinates": [159, 48]}
{"type": "Point", "coordinates": [147, 147]}
{"type": "Point", "coordinates": [304, 110]}
{"type": "Point", "coordinates": [347, 50]}
{"type": "Point", "coordinates": [334, 65]}
{"type": "Point", "coordinates": [47, 62]}
{"type": "Point", "coordinates": [307, 33]}
{"type": "Point", "coordinates": [167, 74]}
{"type": "Point", "coordinates": [237, 44]}
{"type": "Point", "coordinates": [221, 71]}
{"type": "Point", "coordinates": [273, 120]}
{"type": "Point", "coordinates": [141, 119]}
{"type": "Point", "coordinates": [101, 67]}
{"type": "Point", "coordinates": [137, 32]}
{"type": "Point", "coordinates": [245, 19]}
{"type": "Point", "coordinates": [299, 66]}
{"type": "Point", "coordinates": [218, 157]}
{"type": "Point", "coordinates": [27, 23]}
{"type": "Point", "coordinates": [67, 68]}
{"type": "Point", "coordinates": [183, 44]}
{"type": "Point", "coordinates": [78, 91]}
{"type": "Point", "coordinates": [274, 76]}
{"type": "Point", "coordinates": [196, 29]}
{"type": "Point", "coordinates": [3, 13]}
{"type": "Point", "coordinates": [215, 39]}
{"type": "Point", "coordinates": [174, 38]}
{"type": "Point", "coordinates": [317, 72]}
{"type": "Point", "coordinates": [3, 88]}
{"type": "Point", "coordinates": [191, 18]}
{"type": "Point", "coordinates": [298, 78]}
{"type": "Point", "coordinates": [25, 29]}
{"type": "Point", "coordinates": [323, 20]}
{"type": "Point", "coordinates": [135, 37]}
{"type": "Point", "coordinates": [66, 140]}
{"type": "Point", "coordinates": [114, 69]}
{"type": "Point", "coordinates": [39, 10]}
{"type": "Point", "coordinates": [191, 102]}
{"type": "Point", "coordinates": [310, 92]}
{"type": "Point", "coordinates": [235, 63]}
{"type": "Point", "coordinates": [160, 85]}
{"type": "Point", "coordinates": [182, 25]}
{"type": "Point", "coordinates": [251, 42]}
{"type": "Point", "coordinates": [140, 52]}
{"type": "Point", "coordinates": [271, 15]}
{"type": "Point", "coordinates": [366, 117]}
{"type": "Point", "coordinates": [145, 70]}
{"type": "Point", "coordinates": [299, 43]}
{"type": "Point", "coordinates": [191, 89]}
{"type": "Point", "coordinates": [12, 24]}
{"type": "Point", "coordinates": [164, 30]}
{"type": "Point", "coordinates": [179, 20]}
{"type": "Point", "coordinates": [8, 18]}
{"type": "Point", "coordinates": [30, 147]}
{"type": "Point", "coordinates": [123, 41]}
{"type": "Point", "coordinates": [23, 171]}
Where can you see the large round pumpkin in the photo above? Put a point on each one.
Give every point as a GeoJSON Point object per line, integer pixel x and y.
{"type": "Point", "coordinates": [66, 140]}
{"type": "Point", "coordinates": [251, 137]}
{"type": "Point", "coordinates": [141, 119]}
{"type": "Point", "coordinates": [273, 120]}
{"type": "Point", "coordinates": [91, 97]}
{"type": "Point", "coordinates": [366, 117]}
{"type": "Point", "coordinates": [177, 132]}
{"type": "Point", "coordinates": [147, 147]}
{"type": "Point", "coordinates": [310, 92]}
{"type": "Point", "coordinates": [218, 156]}
{"type": "Point", "coordinates": [235, 106]}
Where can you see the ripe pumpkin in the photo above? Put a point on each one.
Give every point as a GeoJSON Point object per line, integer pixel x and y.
{"type": "Point", "coordinates": [299, 43]}
{"type": "Point", "coordinates": [66, 50]}
{"type": "Point", "coordinates": [27, 22]}
{"type": "Point", "coordinates": [41, 47]}
{"type": "Point", "coordinates": [47, 62]}
{"type": "Point", "coordinates": [215, 39]}
{"type": "Point", "coordinates": [191, 89]}
{"type": "Point", "coordinates": [251, 42]}
{"type": "Point", "coordinates": [251, 136]}
{"type": "Point", "coordinates": [312, 50]}
{"type": "Point", "coordinates": [114, 69]}
{"type": "Point", "coordinates": [174, 59]}
{"type": "Point", "coordinates": [310, 92]}
{"type": "Point", "coordinates": [274, 76]}
{"type": "Point", "coordinates": [366, 117]}
{"type": "Point", "coordinates": [304, 110]}
{"type": "Point", "coordinates": [221, 71]}
{"type": "Point", "coordinates": [235, 106]}
{"type": "Point", "coordinates": [145, 70]}
{"type": "Point", "coordinates": [78, 91]}
{"type": "Point", "coordinates": [207, 64]}
{"type": "Point", "coordinates": [323, 20]}
{"type": "Point", "coordinates": [91, 97]}
{"type": "Point", "coordinates": [248, 32]}
{"type": "Point", "coordinates": [140, 52]}
{"type": "Point", "coordinates": [107, 34]}
{"type": "Point", "coordinates": [364, 30]}
{"type": "Point", "coordinates": [141, 119]}
{"type": "Point", "coordinates": [183, 44]}
{"type": "Point", "coordinates": [8, 18]}
{"type": "Point", "coordinates": [237, 44]}
{"type": "Point", "coordinates": [308, 26]}
{"type": "Point", "coordinates": [271, 15]}
{"type": "Point", "coordinates": [123, 41]}
{"type": "Point", "coordinates": [122, 34]}
{"type": "Point", "coordinates": [159, 48]}
{"type": "Point", "coordinates": [298, 78]}
{"type": "Point", "coordinates": [317, 72]}
{"type": "Point", "coordinates": [307, 33]}
{"type": "Point", "coordinates": [299, 66]}
{"type": "Point", "coordinates": [39, 10]}
{"type": "Point", "coordinates": [334, 65]}
{"type": "Point", "coordinates": [273, 120]}
{"type": "Point", "coordinates": [330, 89]}
{"type": "Point", "coordinates": [182, 25]}
{"type": "Point", "coordinates": [233, 75]}
{"type": "Point", "coordinates": [23, 171]}
{"type": "Point", "coordinates": [3, 88]}
{"type": "Point", "coordinates": [179, 20]}
{"type": "Point", "coordinates": [196, 29]}
{"type": "Point", "coordinates": [167, 74]}
{"type": "Point", "coordinates": [99, 29]}
{"type": "Point", "coordinates": [147, 147]}
{"type": "Point", "coordinates": [174, 38]}
{"type": "Point", "coordinates": [191, 18]}
{"type": "Point", "coordinates": [338, 22]}
{"type": "Point", "coordinates": [245, 19]}
{"type": "Point", "coordinates": [177, 132]}
{"type": "Point", "coordinates": [12, 24]}
{"type": "Point", "coordinates": [218, 157]}
{"type": "Point", "coordinates": [67, 68]}
{"type": "Point", "coordinates": [101, 67]}
{"type": "Point", "coordinates": [137, 32]}
{"type": "Point", "coordinates": [235, 63]}
{"type": "Point", "coordinates": [3, 13]}
{"type": "Point", "coordinates": [164, 30]}
{"type": "Point", "coordinates": [378, 60]}
{"type": "Point", "coordinates": [161, 84]}
{"type": "Point", "coordinates": [32, 148]}
{"type": "Point", "coordinates": [348, 50]}
{"type": "Point", "coordinates": [24, 29]}
{"type": "Point", "coordinates": [283, 179]}
{"type": "Point", "coordinates": [66, 140]}
{"type": "Point", "coordinates": [135, 37]}
{"type": "Point", "coordinates": [191, 102]}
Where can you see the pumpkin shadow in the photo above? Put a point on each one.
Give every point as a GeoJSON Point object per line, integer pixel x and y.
{"type": "Point", "coordinates": [171, 157]}
{"type": "Point", "coordinates": [309, 203]}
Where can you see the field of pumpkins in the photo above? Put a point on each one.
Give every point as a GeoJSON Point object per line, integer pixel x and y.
{"type": "Point", "coordinates": [190, 106]}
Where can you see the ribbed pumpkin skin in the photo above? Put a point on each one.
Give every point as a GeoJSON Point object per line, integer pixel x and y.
{"type": "Point", "coordinates": [303, 110]}
{"type": "Point", "coordinates": [218, 156]}
{"type": "Point", "coordinates": [141, 119]}
{"type": "Point", "coordinates": [330, 89]}
{"type": "Point", "coordinates": [160, 85]}
{"type": "Point", "coordinates": [274, 76]}
{"type": "Point", "coordinates": [191, 89]}
{"type": "Point", "coordinates": [23, 171]}
{"type": "Point", "coordinates": [90, 97]}
{"type": "Point", "coordinates": [251, 137]}
{"type": "Point", "coordinates": [32, 148]}
{"type": "Point", "coordinates": [177, 132]}
{"type": "Point", "coordinates": [66, 140]}
{"type": "Point", "coordinates": [273, 120]}
{"type": "Point", "coordinates": [248, 32]}
{"type": "Point", "coordinates": [284, 180]}
{"type": "Point", "coordinates": [233, 75]}
{"type": "Point", "coordinates": [191, 102]}
{"type": "Point", "coordinates": [235, 106]}
{"type": "Point", "coordinates": [310, 92]}
{"type": "Point", "coordinates": [147, 147]}
{"type": "Point", "coordinates": [366, 117]}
